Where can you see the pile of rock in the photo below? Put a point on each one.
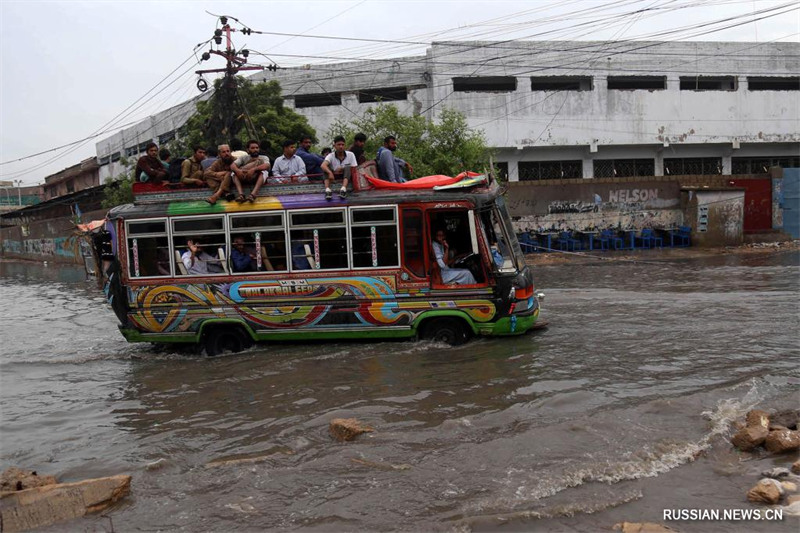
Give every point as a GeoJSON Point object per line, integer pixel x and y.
{"type": "Point", "coordinates": [776, 485]}
{"type": "Point", "coordinates": [29, 501]}
{"type": "Point", "coordinates": [776, 432]}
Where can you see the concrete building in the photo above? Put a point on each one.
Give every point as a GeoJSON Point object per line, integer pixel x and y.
{"type": "Point", "coordinates": [590, 124]}
{"type": "Point", "coordinates": [129, 144]}
{"type": "Point", "coordinates": [73, 179]}
{"type": "Point", "coordinates": [556, 110]}
{"type": "Point", "coordinates": [13, 196]}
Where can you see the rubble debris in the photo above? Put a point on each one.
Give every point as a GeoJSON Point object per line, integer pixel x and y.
{"type": "Point", "coordinates": [756, 417]}
{"type": "Point", "coordinates": [766, 491]}
{"type": "Point", "coordinates": [347, 429]}
{"type": "Point", "coordinates": [782, 441]}
{"type": "Point", "coordinates": [48, 504]}
{"type": "Point", "coordinates": [750, 438]}
{"type": "Point", "coordinates": [787, 419]}
{"type": "Point", "coordinates": [16, 479]}
{"type": "Point", "coordinates": [641, 527]}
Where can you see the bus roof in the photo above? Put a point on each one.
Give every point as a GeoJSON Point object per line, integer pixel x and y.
{"type": "Point", "coordinates": [151, 202]}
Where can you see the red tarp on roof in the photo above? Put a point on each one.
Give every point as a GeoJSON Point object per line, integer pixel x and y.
{"type": "Point", "coordinates": [427, 182]}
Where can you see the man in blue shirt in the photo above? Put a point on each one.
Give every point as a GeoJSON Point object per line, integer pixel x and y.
{"type": "Point", "coordinates": [390, 168]}
{"type": "Point", "coordinates": [244, 258]}
{"type": "Point", "coordinates": [313, 161]}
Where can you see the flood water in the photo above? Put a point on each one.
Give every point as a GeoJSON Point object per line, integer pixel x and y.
{"type": "Point", "coordinates": [619, 410]}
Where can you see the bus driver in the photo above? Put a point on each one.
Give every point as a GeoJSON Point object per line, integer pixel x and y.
{"type": "Point", "coordinates": [458, 276]}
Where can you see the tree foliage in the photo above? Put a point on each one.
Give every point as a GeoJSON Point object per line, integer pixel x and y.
{"type": "Point", "coordinates": [119, 190]}
{"type": "Point", "coordinates": [254, 111]}
{"type": "Point", "coordinates": [442, 146]}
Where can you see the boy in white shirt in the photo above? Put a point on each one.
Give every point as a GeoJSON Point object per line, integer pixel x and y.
{"type": "Point", "coordinates": [334, 164]}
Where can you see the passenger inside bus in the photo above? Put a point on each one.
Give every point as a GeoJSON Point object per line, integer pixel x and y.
{"type": "Point", "coordinates": [244, 258]}
{"type": "Point", "coordinates": [197, 261]}
{"type": "Point", "coordinates": [301, 259]}
{"type": "Point", "coordinates": [450, 275]}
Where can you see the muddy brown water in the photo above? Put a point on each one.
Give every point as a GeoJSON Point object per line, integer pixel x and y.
{"type": "Point", "coordinates": [619, 410]}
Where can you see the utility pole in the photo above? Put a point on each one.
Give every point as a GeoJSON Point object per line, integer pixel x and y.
{"type": "Point", "coordinates": [18, 183]}
{"type": "Point", "coordinates": [236, 61]}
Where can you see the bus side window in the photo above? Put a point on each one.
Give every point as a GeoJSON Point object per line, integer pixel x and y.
{"type": "Point", "coordinates": [373, 233]}
{"type": "Point", "coordinates": [265, 232]}
{"type": "Point", "coordinates": [413, 242]}
{"type": "Point", "coordinates": [148, 248]}
{"type": "Point", "coordinates": [207, 230]}
{"type": "Point", "coordinates": [325, 235]}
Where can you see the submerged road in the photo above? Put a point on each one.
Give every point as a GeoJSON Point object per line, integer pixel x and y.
{"type": "Point", "coordinates": [617, 411]}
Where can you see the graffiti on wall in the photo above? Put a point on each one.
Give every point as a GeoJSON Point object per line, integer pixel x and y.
{"type": "Point", "coordinates": [632, 195]}
{"type": "Point", "coordinates": [572, 207]}
{"type": "Point", "coordinates": [59, 246]}
{"type": "Point", "coordinates": [588, 204]}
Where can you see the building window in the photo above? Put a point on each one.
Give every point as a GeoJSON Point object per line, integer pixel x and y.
{"type": "Point", "coordinates": [706, 166]}
{"type": "Point", "coordinates": [383, 95]}
{"type": "Point", "coordinates": [629, 83]}
{"type": "Point", "coordinates": [623, 168]}
{"type": "Point", "coordinates": [708, 83]}
{"type": "Point", "coordinates": [760, 165]}
{"type": "Point", "coordinates": [131, 151]}
{"type": "Point", "coordinates": [485, 84]}
{"type": "Point", "coordinates": [317, 100]}
{"type": "Point", "coordinates": [550, 170]}
{"type": "Point", "coordinates": [561, 83]}
{"type": "Point", "coordinates": [115, 157]}
{"type": "Point", "coordinates": [70, 186]}
{"type": "Point", "coordinates": [143, 146]}
{"type": "Point", "coordinates": [104, 160]}
{"type": "Point", "coordinates": [166, 137]}
{"type": "Point", "coordinates": [501, 171]}
{"type": "Point", "coordinates": [773, 83]}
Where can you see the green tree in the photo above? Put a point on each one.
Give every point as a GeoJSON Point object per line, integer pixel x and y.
{"type": "Point", "coordinates": [444, 146]}
{"type": "Point", "coordinates": [119, 190]}
{"type": "Point", "coordinates": [253, 111]}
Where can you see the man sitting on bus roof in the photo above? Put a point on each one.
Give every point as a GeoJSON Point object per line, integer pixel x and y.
{"type": "Point", "coordinates": [313, 161]}
{"type": "Point", "coordinates": [336, 164]}
{"type": "Point", "coordinates": [358, 147]}
{"type": "Point", "coordinates": [250, 168]}
{"type": "Point", "coordinates": [192, 168]}
{"type": "Point", "coordinates": [390, 168]}
{"type": "Point", "coordinates": [197, 261]}
{"type": "Point", "coordinates": [149, 167]}
{"type": "Point", "coordinates": [288, 166]}
{"type": "Point", "coordinates": [218, 175]}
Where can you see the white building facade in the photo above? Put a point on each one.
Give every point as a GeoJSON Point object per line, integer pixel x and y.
{"type": "Point", "coordinates": [563, 109]}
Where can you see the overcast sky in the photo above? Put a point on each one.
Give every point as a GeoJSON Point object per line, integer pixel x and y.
{"type": "Point", "coordinates": [71, 69]}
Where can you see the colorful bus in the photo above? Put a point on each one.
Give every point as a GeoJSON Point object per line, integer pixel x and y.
{"type": "Point", "coordinates": [293, 266]}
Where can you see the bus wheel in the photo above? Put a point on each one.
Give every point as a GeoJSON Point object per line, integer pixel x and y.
{"type": "Point", "coordinates": [221, 340]}
{"type": "Point", "coordinates": [451, 331]}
